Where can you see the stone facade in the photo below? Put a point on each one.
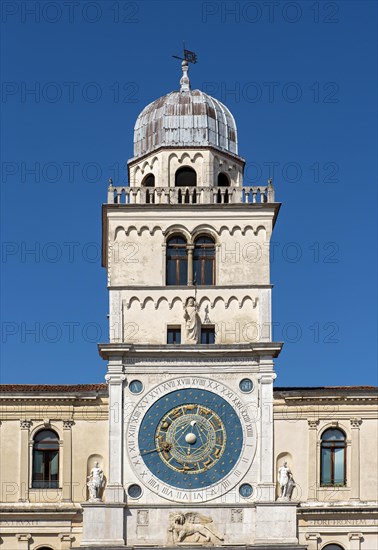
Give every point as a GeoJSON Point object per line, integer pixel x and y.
{"type": "Point", "coordinates": [187, 444]}
{"type": "Point", "coordinates": [34, 518]}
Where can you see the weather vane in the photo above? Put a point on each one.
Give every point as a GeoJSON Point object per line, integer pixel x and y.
{"type": "Point", "coordinates": [189, 56]}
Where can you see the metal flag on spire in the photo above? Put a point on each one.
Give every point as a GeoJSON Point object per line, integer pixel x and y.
{"type": "Point", "coordinates": [189, 56]}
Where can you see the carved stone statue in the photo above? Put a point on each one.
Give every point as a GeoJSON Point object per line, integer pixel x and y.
{"type": "Point", "coordinates": [286, 481]}
{"type": "Point", "coordinates": [95, 483]}
{"type": "Point", "coordinates": [192, 527]}
{"type": "Point", "coordinates": [192, 322]}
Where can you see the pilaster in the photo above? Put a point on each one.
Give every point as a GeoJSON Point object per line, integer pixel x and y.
{"type": "Point", "coordinates": [266, 485]}
{"type": "Point", "coordinates": [66, 541]}
{"type": "Point", "coordinates": [23, 541]}
{"type": "Point", "coordinates": [314, 540]}
{"type": "Point", "coordinates": [312, 459]}
{"type": "Point", "coordinates": [24, 460]}
{"type": "Point", "coordinates": [67, 460]}
{"type": "Point", "coordinates": [115, 378]}
{"type": "Point", "coordinates": [355, 540]}
{"type": "Point", "coordinates": [355, 459]}
{"type": "Point", "coordinates": [115, 324]}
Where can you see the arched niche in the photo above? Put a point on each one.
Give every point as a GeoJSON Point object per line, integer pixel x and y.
{"type": "Point", "coordinates": [92, 459]}
{"type": "Point", "coordinates": [281, 458]}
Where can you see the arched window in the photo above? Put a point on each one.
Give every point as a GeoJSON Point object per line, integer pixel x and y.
{"type": "Point", "coordinates": [333, 547]}
{"type": "Point", "coordinates": [45, 460]}
{"type": "Point", "coordinates": [185, 177]}
{"type": "Point", "coordinates": [223, 180]}
{"type": "Point", "coordinates": [149, 181]}
{"type": "Point", "coordinates": [204, 261]}
{"type": "Point", "coordinates": [333, 458]}
{"type": "Point", "coordinates": [177, 262]}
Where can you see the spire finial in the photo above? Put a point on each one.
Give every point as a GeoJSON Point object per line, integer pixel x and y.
{"type": "Point", "coordinates": [185, 82]}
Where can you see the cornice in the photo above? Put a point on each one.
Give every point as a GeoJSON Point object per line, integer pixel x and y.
{"type": "Point", "coordinates": [220, 352]}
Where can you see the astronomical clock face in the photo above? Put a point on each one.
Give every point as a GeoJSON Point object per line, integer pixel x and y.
{"type": "Point", "coordinates": [191, 439]}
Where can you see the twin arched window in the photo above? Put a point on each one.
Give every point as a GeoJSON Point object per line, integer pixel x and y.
{"type": "Point", "coordinates": [198, 267]}
{"type": "Point", "coordinates": [333, 458]}
{"type": "Point", "coordinates": [45, 460]}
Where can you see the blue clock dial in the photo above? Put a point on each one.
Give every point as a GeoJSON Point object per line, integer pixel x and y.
{"type": "Point", "coordinates": [190, 438]}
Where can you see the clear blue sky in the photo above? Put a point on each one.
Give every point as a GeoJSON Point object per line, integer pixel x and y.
{"type": "Point", "coordinates": [301, 83]}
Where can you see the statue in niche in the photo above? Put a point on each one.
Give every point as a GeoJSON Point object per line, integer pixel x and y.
{"type": "Point", "coordinates": [192, 321]}
{"type": "Point", "coordinates": [192, 527]}
{"type": "Point", "coordinates": [95, 483]}
{"type": "Point", "coordinates": [286, 481]}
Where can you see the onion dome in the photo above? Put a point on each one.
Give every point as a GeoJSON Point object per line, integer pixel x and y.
{"type": "Point", "coordinates": [185, 118]}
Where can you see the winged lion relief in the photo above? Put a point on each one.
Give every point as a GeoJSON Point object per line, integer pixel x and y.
{"type": "Point", "coordinates": [192, 527]}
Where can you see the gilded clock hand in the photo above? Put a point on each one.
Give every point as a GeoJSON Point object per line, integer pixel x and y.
{"type": "Point", "coordinates": [165, 446]}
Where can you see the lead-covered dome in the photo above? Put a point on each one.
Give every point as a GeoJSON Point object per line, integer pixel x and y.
{"type": "Point", "coordinates": [185, 118]}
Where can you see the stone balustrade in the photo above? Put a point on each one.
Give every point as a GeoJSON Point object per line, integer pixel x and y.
{"type": "Point", "coordinates": [191, 195]}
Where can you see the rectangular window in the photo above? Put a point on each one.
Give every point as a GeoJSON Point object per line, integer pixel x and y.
{"type": "Point", "coordinates": [208, 334]}
{"type": "Point", "coordinates": [174, 335]}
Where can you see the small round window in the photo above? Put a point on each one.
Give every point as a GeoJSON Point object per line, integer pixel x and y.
{"type": "Point", "coordinates": [246, 490]}
{"type": "Point", "coordinates": [246, 385]}
{"type": "Point", "coordinates": [134, 491]}
{"type": "Point", "coordinates": [136, 386]}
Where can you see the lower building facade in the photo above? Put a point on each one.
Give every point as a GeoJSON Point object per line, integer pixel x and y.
{"type": "Point", "coordinates": [55, 439]}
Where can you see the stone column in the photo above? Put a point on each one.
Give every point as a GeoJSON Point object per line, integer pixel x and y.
{"type": "Point", "coordinates": [266, 484]}
{"type": "Point", "coordinates": [190, 249]}
{"type": "Point", "coordinates": [355, 459]}
{"type": "Point", "coordinates": [312, 460]}
{"type": "Point", "coordinates": [23, 541]}
{"type": "Point", "coordinates": [115, 379]}
{"type": "Point", "coordinates": [314, 540]}
{"type": "Point", "coordinates": [67, 460]}
{"type": "Point", "coordinates": [355, 541]}
{"type": "Point", "coordinates": [24, 461]}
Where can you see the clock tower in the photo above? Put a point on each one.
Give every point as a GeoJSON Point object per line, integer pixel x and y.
{"type": "Point", "coordinates": [190, 353]}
